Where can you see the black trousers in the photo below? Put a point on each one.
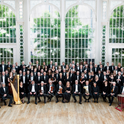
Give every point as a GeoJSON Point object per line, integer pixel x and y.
{"type": "Point", "coordinates": [104, 96]}
{"type": "Point", "coordinates": [50, 95]}
{"type": "Point", "coordinates": [76, 94]}
{"type": "Point", "coordinates": [111, 98]}
{"type": "Point", "coordinates": [32, 95]}
{"type": "Point", "coordinates": [43, 95]}
{"type": "Point", "coordinates": [59, 95]}
{"type": "Point", "coordinates": [88, 96]}
{"type": "Point", "coordinates": [95, 96]}
{"type": "Point", "coordinates": [7, 97]}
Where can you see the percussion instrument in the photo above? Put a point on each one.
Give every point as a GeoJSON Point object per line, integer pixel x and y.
{"type": "Point", "coordinates": [120, 102]}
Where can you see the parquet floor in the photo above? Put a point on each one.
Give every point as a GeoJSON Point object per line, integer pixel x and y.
{"type": "Point", "coordinates": [59, 113]}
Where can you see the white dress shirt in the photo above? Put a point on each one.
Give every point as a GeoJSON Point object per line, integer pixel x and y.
{"type": "Point", "coordinates": [76, 88]}
{"type": "Point", "coordinates": [33, 88]}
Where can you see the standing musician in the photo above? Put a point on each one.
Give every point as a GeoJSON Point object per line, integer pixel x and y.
{"type": "Point", "coordinates": [59, 91]}
{"type": "Point", "coordinates": [77, 91]}
{"type": "Point", "coordinates": [42, 91]}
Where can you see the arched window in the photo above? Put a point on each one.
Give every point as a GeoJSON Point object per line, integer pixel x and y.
{"type": "Point", "coordinates": [7, 32]}
{"type": "Point", "coordinates": [79, 34]}
{"type": "Point", "coordinates": [45, 34]}
{"type": "Point", "coordinates": [116, 34]}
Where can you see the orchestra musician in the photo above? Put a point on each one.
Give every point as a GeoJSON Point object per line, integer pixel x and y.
{"type": "Point", "coordinates": [22, 91]}
{"type": "Point", "coordinates": [95, 91]}
{"type": "Point", "coordinates": [51, 90]}
{"type": "Point", "coordinates": [33, 89]}
{"type": "Point", "coordinates": [42, 91]}
{"type": "Point", "coordinates": [59, 91]}
{"type": "Point", "coordinates": [77, 91]}
{"type": "Point", "coordinates": [113, 93]}
{"type": "Point", "coordinates": [87, 94]}
{"type": "Point", "coordinates": [67, 94]}
{"type": "Point", "coordinates": [4, 92]}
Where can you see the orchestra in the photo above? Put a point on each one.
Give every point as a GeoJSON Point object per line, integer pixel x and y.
{"type": "Point", "coordinates": [62, 81]}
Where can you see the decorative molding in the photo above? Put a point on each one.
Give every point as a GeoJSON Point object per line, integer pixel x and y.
{"type": "Point", "coordinates": [11, 3]}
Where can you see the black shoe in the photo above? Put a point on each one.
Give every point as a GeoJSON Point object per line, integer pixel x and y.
{"type": "Point", "coordinates": [85, 100]}
{"type": "Point", "coordinates": [88, 100]}
{"type": "Point", "coordinates": [0, 106]}
{"type": "Point", "coordinates": [74, 101]}
{"type": "Point", "coordinates": [110, 104]}
{"type": "Point", "coordinates": [63, 101]}
{"type": "Point", "coordinates": [80, 103]}
{"type": "Point", "coordinates": [28, 102]}
{"type": "Point", "coordinates": [39, 101]}
{"type": "Point", "coordinates": [97, 101]}
{"type": "Point", "coordinates": [10, 105]}
{"type": "Point", "coordinates": [56, 101]}
{"type": "Point", "coordinates": [44, 101]}
{"type": "Point", "coordinates": [36, 103]}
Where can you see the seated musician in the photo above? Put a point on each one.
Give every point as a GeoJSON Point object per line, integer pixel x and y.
{"type": "Point", "coordinates": [77, 91]}
{"type": "Point", "coordinates": [87, 94]}
{"type": "Point", "coordinates": [113, 93]}
{"type": "Point", "coordinates": [122, 89]}
{"type": "Point", "coordinates": [42, 91]}
{"type": "Point", "coordinates": [95, 91]}
{"type": "Point", "coordinates": [105, 91]}
{"type": "Point", "coordinates": [67, 94]}
{"type": "Point", "coordinates": [5, 94]}
{"type": "Point", "coordinates": [51, 90]}
{"type": "Point", "coordinates": [22, 91]}
{"type": "Point", "coordinates": [60, 90]}
{"type": "Point", "coordinates": [32, 91]}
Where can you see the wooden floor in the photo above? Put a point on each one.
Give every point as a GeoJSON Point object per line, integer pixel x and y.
{"type": "Point", "coordinates": [59, 113]}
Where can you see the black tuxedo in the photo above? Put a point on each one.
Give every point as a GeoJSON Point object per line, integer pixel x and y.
{"type": "Point", "coordinates": [57, 77]}
{"type": "Point", "coordinates": [2, 92]}
{"type": "Point", "coordinates": [33, 93]}
{"type": "Point", "coordinates": [95, 89]}
{"type": "Point", "coordinates": [45, 79]}
{"type": "Point", "coordinates": [9, 66]}
{"type": "Point", "coordinates": [105, 68]}
{"type": "Point", "coordinates": [112, 68]}
{"type": "Point", "coordinates": [2, 68]}
{"type": "Point", "coordinates": [111, 97]}
{"type": "Point", "coordinates": [44, 92]}
{"type": "Point", "coordinates": [38, 80]}
{"type": "Point", "coordinates": [95, 70]}
{"type": "Point", "coordinates": [77, 93]}
{"type": "Point", "coordinates": [6, 79]}
{"type": "Point", "coordinates": [23, 79]}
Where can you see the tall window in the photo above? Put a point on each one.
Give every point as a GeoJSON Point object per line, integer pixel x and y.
{"type": "Point", "coordinates": [7, 25]}
{"type": "Point", "coordinates": [116, 28]}
{"type": "Point", "coordinates": [45, 34]}
{"type": "Point", "coordinates": [118, 56]}
{"type": "Point", "coordinates": [79, 34]}
{"type": "Point", "coordinates": [6, 54]}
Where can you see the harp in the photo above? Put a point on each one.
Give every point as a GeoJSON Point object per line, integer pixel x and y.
{"type": "Point", "coordinates": [15, 89]}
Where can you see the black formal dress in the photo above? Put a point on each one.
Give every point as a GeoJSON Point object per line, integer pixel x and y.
{"type": "Point", "coordinates": [67, 96]}
{"type": "Point", "coordinates": [106, 92]}
{"type": "Point", "coordinates": [22, 90]}
{"type": "Point", "coordinates": [95, 96]}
